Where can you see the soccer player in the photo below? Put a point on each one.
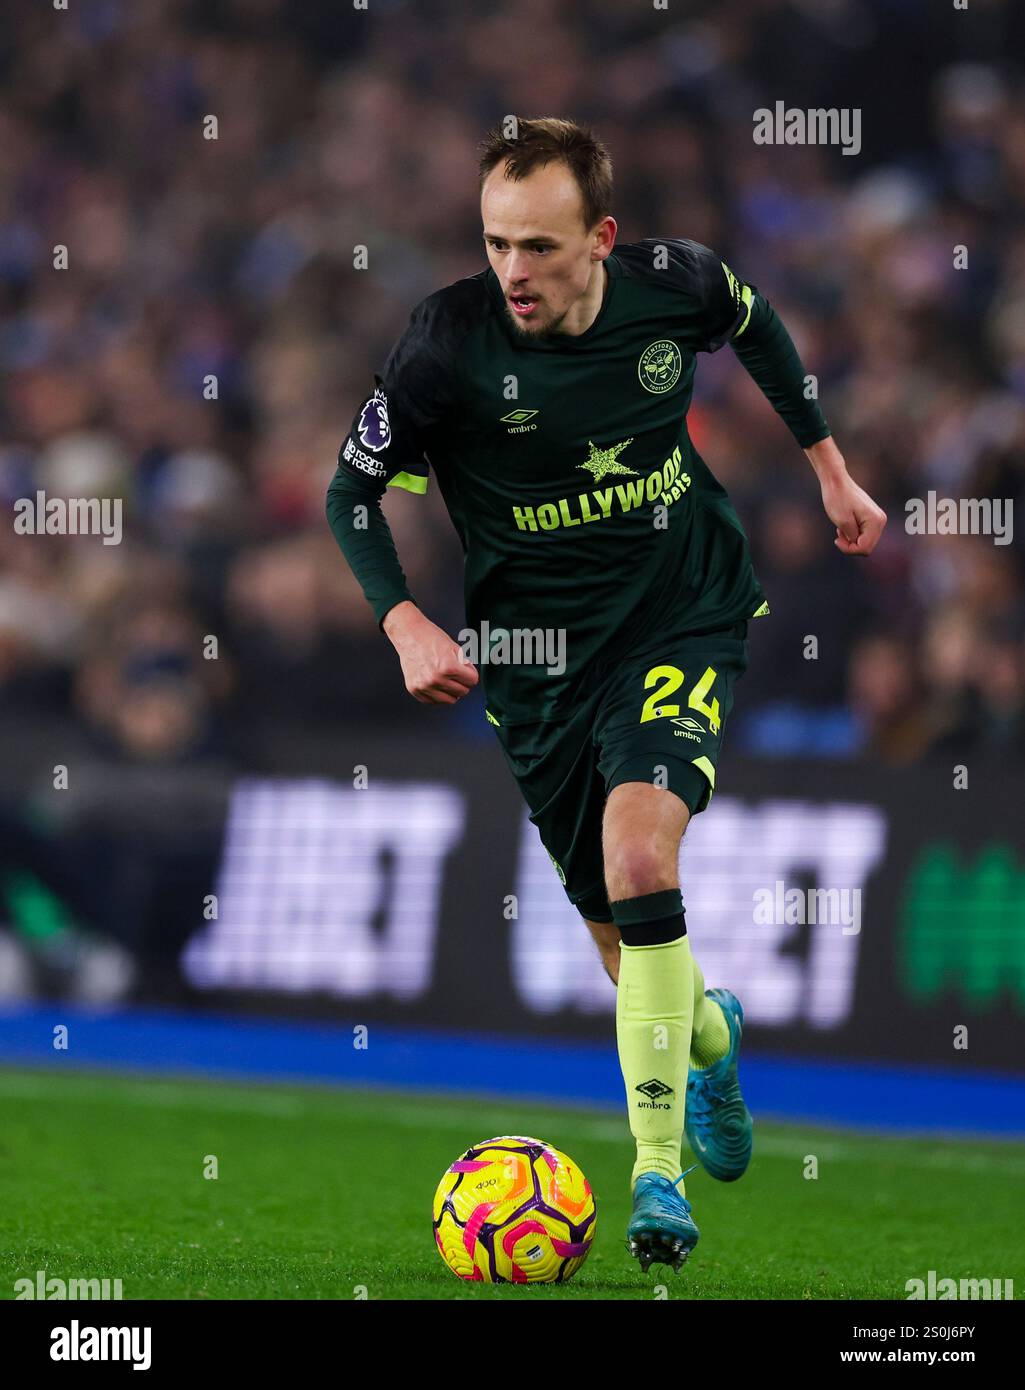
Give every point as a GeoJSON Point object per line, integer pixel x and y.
{"type": "Point", "coordinates": [549, 395]}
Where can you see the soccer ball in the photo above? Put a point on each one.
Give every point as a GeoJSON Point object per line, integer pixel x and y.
{"type": "Point", "coordinates": [513, 1210]}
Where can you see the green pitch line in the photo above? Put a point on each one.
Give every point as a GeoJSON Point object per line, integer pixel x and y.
{"type": "Point", "coordinates": [321, 1192]}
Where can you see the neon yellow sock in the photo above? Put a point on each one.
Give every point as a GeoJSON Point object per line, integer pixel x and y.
{"type": "Point", "coordinates": [710, 1036]}
{"type": "Point", "coordinates": [654, 1010]}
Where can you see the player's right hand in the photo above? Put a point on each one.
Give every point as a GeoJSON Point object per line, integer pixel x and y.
{"type": "Point", "coordinates": [434, 667]}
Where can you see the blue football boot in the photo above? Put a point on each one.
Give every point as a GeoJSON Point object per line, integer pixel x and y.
{"type": "Point", "coordinates": [661, 1229]}
{"type": "Point", "coordinates": [718, 1123]}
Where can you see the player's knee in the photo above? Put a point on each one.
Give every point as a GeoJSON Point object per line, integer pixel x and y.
{"type": "Point", "coordinates": [637, 867]}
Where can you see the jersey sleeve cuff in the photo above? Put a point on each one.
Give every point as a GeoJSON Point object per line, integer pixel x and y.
{"type": "Point", "coordinates": [813, 435]}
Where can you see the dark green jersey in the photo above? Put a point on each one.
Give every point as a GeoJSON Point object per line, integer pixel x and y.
{"type": "Point", "coordinates": [566, 466]}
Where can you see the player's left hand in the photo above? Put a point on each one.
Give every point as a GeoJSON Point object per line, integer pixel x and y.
{"type": "Point", "coordinates": [859, 522]}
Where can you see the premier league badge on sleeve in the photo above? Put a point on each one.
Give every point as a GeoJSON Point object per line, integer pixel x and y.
{"type": "Point", "coordinates": [373, 428]}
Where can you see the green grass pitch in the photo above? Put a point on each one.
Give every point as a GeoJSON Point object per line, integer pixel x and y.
{"type": "Point", "coordinates": [322, 1193]}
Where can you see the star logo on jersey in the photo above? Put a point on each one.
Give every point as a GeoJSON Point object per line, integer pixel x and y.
{"type": "Point", "coordinates": [602, 462]}
{"type": "Point", "coordinates": [659, 367]}
{"type": "Point", "coordinates": [374, 428]}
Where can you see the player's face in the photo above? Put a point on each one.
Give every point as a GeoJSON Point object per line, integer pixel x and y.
{"type": "Point", "coordinates": [548, 263]}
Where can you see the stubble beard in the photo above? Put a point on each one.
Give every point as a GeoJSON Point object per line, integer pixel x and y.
{"type": "Point", "coordinates": [548, 331]}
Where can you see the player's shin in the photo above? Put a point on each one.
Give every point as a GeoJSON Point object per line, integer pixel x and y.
{"type": "Point", "coordinates": [654, 1013]}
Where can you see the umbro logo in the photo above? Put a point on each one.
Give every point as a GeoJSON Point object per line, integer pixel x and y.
{"type": "Point", "coordinates": [654, 1089]}
{"type": "Point", "coordinates": [517, 420]}
{"type": "Point", "coordinates": [687, 723]}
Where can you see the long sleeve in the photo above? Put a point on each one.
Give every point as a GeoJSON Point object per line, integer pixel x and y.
{"type": "Point", "coordinates": [738, 314]}
{"type": "Point", "coordinates": [365, 539]}
{"type": "Point", "coordinates": [386, 448]}
{"type": "Point", "coordinates": [768, 353]}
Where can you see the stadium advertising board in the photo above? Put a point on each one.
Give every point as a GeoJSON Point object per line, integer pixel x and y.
{"type": "Point", "coordinates": [857, 913]}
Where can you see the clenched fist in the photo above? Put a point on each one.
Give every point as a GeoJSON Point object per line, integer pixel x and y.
{"type": "Point", "coordinates": [435, 670]}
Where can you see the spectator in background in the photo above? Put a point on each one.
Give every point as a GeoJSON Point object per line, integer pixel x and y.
{"type": "Point", "coordinates": [977, 696]}
{"type": "Point", "coordinates": [886, 698]}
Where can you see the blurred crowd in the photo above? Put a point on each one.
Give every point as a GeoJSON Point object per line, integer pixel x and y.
{"type": "Point", "coordinates": [203, 352]}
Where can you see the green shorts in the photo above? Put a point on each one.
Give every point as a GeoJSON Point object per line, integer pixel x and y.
{"type": "Point", "coordinates": [657, 717]}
